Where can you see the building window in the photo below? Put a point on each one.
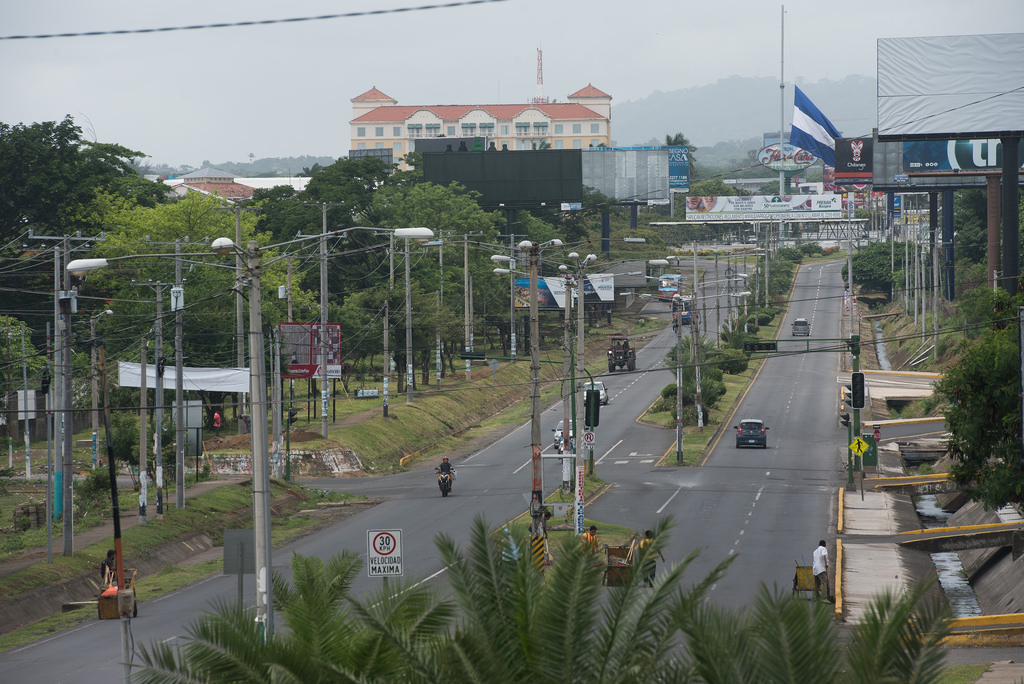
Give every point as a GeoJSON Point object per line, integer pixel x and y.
{"type": "Point", "coordinates": [558, 129]}
{"type": "Point", "coordinates": [398, 149]}
{"type": "Point", "coordinates": [559, 144]}
{"type": "Point", "coordinates": [577, 144]}
{"type": "Point", "coordinates": [595, 128]}
{"type": "Point", "coordinates": [451, 131]}
{"type": "Point", "coordinates": [379, 131]}
{"type": "Point", "coordinates": [540, 127]}
{"type": "Point", "coordinates": [360, 146]}
{"type": "Point", "coordinates": [415, 130]}
{"type": "Point", "coordinates": [396, 132]}
{"type": "Point", "coordinates": [361, 132]}
{"type": "Point", "coordinates": [469, 129]}
{"type": "Point", "coordinates": [378, 146]}
{"type": "Point", "coordinates": [522, 128]}
{"type": "Point", "coordinates": [577, 129]}
{"type": "Point", "coordinates": [504, 129]}
{"type": "Point", "coordinates": [595, 142]}
{"type": "Point", "coordinates": [434, 129]}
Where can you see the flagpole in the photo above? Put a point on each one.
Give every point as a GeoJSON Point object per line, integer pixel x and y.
{"type": "Point", "coordinates": [782, 97]}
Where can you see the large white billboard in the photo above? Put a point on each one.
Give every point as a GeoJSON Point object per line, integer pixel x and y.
{"type": "Point", "coordinates": [944, 87]}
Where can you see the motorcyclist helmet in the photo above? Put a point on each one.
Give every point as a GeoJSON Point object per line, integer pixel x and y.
{"type": "Point", "coordinates": [445, 459]}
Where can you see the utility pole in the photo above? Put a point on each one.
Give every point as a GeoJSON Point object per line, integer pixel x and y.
{"type": "Point", "coordinates": [387, 354]}
{"type": "Point", "coordinates": [178, 307]}
{"type": "Point", "coordinates": [28, 437]}
{"type": "Point", "coordinates": [159, 417]}
{"type": "Point", "coordinates": [323, 324]}
{"type": "Point", "coordinates": [468, 307]}
{"type": "Point", "coordinates": [143, 420]}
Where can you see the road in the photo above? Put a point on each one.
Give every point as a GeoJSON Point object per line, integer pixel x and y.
{"type": "Point", "coordinates": [767, 507]}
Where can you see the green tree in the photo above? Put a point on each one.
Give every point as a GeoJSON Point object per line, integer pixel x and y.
{"type": "Point", "coordinates": [981, 393]}
{"type": "Point", "coordinates": [327, 635]}
{"type": "Point", "coordinates": [49, 175]}
{"type": "Point", "coordinates": [872, 269]}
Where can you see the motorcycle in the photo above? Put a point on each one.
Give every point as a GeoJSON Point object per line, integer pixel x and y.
{"type": "Point", "coordinates": [444, 481]}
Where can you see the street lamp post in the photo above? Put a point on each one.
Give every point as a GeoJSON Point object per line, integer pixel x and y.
{"type": "Point", "coordinates": [679, 368]}
{"type": "Point", "coordinates": [408, 329]}
{"type": "Point", "coordinates": [501, 258]}
{"type": "Point", "coordinates": [536, 488]}
{"type": "Point", "coordinates": [580, 263]}
{"type": "Point", "coordinates": [95, 388]}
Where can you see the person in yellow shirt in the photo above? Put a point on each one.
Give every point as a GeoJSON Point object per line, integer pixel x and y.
{"type": "Point", "coordinates": [650, 565]}
{"type": "Point", "coordinates": [590, 539]}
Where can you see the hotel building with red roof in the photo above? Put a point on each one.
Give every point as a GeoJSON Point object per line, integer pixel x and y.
{"type": "Point", "coordinates": [379, 122]}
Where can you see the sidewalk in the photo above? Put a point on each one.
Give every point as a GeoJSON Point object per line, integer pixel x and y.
{"type": "Point", "coordinates": [94, 535]}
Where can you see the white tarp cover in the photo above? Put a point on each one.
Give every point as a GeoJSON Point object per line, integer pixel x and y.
{"type": "Point", "coordinates": [195, 379]}
{"type": "Point", "coordinates": [950, 86]}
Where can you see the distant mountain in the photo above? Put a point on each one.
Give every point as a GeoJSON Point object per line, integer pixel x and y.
{"type": "Point", "coordinates": [740, 109]}
{"type": "Point", "coordinates": [282, 167]}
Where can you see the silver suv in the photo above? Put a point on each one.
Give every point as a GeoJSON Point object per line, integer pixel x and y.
{"type": "Point", "coordinates": [801, 327]}
{"type": "Point", "coordinates": [602, 393]}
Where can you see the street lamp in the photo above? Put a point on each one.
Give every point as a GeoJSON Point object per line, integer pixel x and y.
{"type": "Point", "coordinates": [420, 235]}
{"type": "Point", "coordinates": [498, 259]}
{"type": "Point", "coordinates": [95, 387]}
{"type": "Point", "coordinates": [578, 277]}
{"type": "Point", "coordinates": [679, 369]}
{"type": "Point", "coordinates": [533, 251]}
{"type": "Point", "coordinates": [257, 400]}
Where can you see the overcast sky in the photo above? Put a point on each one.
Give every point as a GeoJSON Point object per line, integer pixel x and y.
{"type": "Point", "coordinates": [284, 89]}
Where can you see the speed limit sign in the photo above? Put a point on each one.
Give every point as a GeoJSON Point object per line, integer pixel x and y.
{"type": "Point", "coordinates": [383, 553]}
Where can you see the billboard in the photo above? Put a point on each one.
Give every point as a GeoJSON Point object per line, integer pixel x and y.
{"type": "Point", "coordinates": [984, 155]}
{"type": "Point", "coordinates": [854, 161]}
{"type": "Point", "coordinates": [520, 178]}
{"type": "Point", "coordinates": [785, 157]}
{"type": "Point", "coordinates": [637, 173]}
{"type": "Point", "coordinates": [300, 350]}
{"type": "Point", "coordinates": [764, 208]}
{"type": "Point", "coordinates": [936, 86]}
{"type": "Point", "coordinates": [597, 288]}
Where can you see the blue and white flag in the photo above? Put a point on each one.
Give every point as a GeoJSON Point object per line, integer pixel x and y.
{"type": "Point", "coordinates": [812, 130]}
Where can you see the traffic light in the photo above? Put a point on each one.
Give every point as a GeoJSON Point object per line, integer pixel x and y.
{"type": "Point", "coordinates": [760, 346]}
{"type": "Point", "coordinates": [844, 418]}
{"type": "Point", "coordinates": [293, 415]}
{"type": "Point", "coordinates": [44, 382]}
{"type": "Point", "coordinates": [160, 363]}
{"type": "Point", "coordinates": [591, 408]}
{"type": "Point", "coordinates": [857, 390]}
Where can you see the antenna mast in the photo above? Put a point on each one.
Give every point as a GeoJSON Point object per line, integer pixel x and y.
{"type": "Point", "coordinates": [540, 99]}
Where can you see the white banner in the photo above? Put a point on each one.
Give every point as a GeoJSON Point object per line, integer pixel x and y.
{"type": "Point", "coordinates": [764, 208]}
{"type": "Point", "coordinates": [195, 379]}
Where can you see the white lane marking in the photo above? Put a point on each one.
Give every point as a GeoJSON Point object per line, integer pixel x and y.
{"type": "Point", "coordinates": [610, 449]}
{"type": "Point", "coordinates": [668, 501]}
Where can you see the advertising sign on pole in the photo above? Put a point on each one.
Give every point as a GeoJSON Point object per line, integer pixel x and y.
{"type": "Point", "coordinates": [579, 499]}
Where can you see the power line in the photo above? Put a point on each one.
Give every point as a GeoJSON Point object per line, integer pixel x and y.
{"type": "Point", "coordinates": [259, 22]}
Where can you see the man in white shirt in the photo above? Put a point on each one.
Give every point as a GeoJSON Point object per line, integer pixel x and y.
{"type": "Point", "coordinates": [819, 567]}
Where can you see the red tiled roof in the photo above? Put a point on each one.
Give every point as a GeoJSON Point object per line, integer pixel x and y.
{"type": "Point", "coordinates": [372, 94]}
{"type": "Point", "coordinates": [499, 112]}
{"type": "Point", "coordinates": [590, 91]}
{"type": "Point", "coordinates": [225, 190]}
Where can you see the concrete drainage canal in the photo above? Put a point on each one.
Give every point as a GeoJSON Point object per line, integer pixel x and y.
{"type": "Point", "coordinates": [958, 590]}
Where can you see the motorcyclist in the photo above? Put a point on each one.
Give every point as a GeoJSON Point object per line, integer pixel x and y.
{"type": "Point", "coordinates": [446, 467]}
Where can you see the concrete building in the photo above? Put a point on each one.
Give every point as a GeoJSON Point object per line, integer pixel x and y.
{"type": "Point", "coordinates": [379, 122]}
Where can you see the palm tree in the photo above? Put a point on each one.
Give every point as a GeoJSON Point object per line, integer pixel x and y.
{"type": "Point", "coordinates": [329, 635]}
{"type": "Point", "coordinates": [509, 623]}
